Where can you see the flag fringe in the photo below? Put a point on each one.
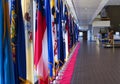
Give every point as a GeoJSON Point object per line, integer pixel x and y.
{"type": "Point", "coordinates": [23, 81]}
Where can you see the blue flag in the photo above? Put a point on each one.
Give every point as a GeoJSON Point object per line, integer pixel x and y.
{"type": "Point", "coordinates": [59, 16]}
{"type": "Point", "coordinates": [20, 40]}
{"type": "Point", "coordinates": [71, 32]}
{"type": "Point", "coordinates": [13, 19]}
{"type": "Point", "coordinates": [62, 44]}
{"type": "Point", "coordinates": [6, 62]}
{"type": "Point", "coordinates": [66, 14]}
{"type": "Point", "coordinates": [76, 33]}
{"type": "Point", "coordinates": [75, 29]}
{"type": "Point", "coordinates": [1, 44]}
{"type": "Point", "coordinates": [49, 35]}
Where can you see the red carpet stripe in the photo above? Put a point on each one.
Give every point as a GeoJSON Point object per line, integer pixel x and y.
{"type": "Point", "coordinates": [68, 72]}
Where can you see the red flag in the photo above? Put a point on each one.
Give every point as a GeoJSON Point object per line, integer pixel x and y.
{"type": "Point", "coordinates": [41, 47]}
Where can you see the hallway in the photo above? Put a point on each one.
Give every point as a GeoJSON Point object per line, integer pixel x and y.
{"type": "Point", "coordinates": [96, 65]}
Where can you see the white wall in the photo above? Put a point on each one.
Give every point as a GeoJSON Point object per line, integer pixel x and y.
{"type": "Point", "coordinates": [95, 32]}
{"type": "Point", "coordinates": [101, 24]}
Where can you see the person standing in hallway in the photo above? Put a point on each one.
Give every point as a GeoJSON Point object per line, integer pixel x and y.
{"type": "Point", "coordinates": [110, 37]}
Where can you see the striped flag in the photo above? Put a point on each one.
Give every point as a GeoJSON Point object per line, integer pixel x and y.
{"type": "Point", "coordinates": [41, 45]}
{"type": "Point", "coordinates": [27, 9]}
{"type": "Point", "coordinates": [6, 61]}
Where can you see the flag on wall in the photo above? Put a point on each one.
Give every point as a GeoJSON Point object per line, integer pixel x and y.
{"type": "Point", "coordinates": [54, 35]}
{"type": "Point", "coordinates": [71, 32]}
{"type": "Point", "coordinates": [41, 45]}
{"type": "Point", "coordinates": [6, 61]}
{"type": "Point", "coordinates": [49, 34]}
{"type": "Point", "coordinates": [59, 32]}
{"type": "Point", "coordinates": [1, 43]}
{"type": "Point", "coordinates": [66, 31]}
{"type": "Point", "coordinates": [34, 32]}
{"type": "Point", "coordinates": [63, 29]}
{"type": "Point", "coordinates": [20, 41]}
{"type": "Point", "coordinates": [13, 19]}
{"type": "Point", "coordinates": [60, 35]}
{"type": "Point", "coordinates": [27, 9]}
{"type": "Point", "coordinates": [34, 20]}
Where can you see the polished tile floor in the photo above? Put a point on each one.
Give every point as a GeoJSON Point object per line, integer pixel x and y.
{"type": "Point", "coordinates": [96, 65]}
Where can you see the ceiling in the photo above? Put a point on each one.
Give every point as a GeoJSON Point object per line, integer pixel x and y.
{"type": "Point", "coordinates": [85, 11]}
{"type": "Point", "coordinates": [113, 2]}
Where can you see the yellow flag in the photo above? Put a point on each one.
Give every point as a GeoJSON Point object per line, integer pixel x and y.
{"type": "Point", "coordinates": [27, 9]}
